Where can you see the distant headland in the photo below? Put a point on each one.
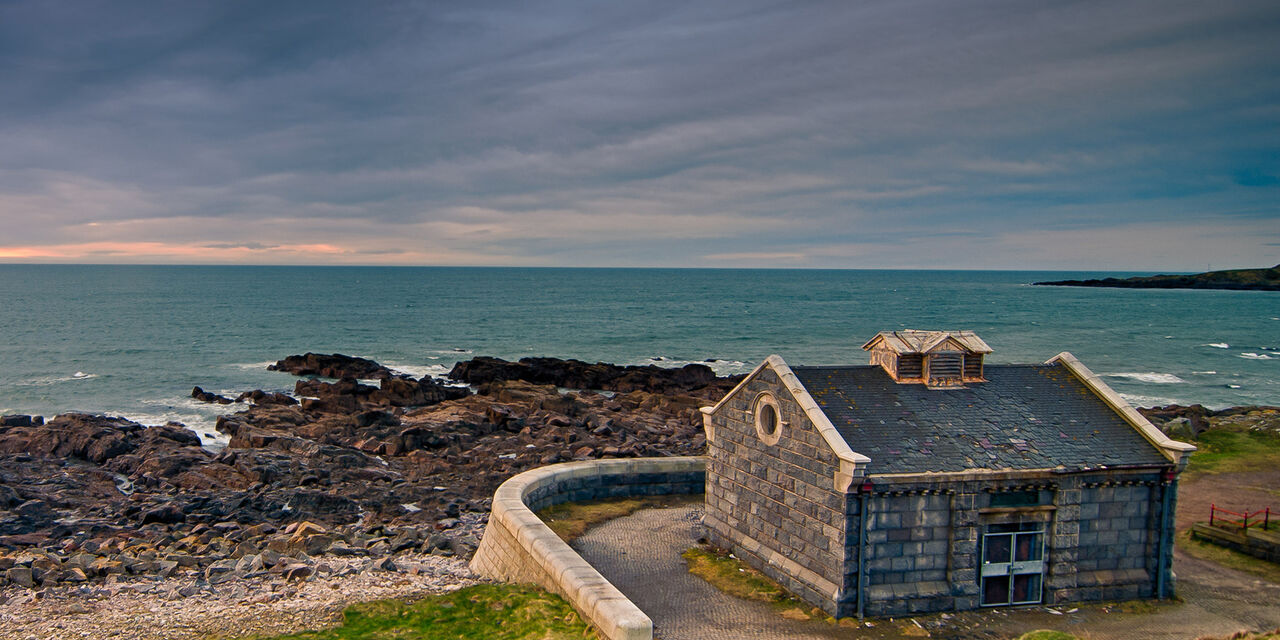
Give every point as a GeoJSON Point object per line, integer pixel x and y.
{"type": "Point", "coordinates": [1252, 279]}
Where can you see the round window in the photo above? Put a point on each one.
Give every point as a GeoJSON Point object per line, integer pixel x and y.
{"type": "Point", "coordinates": [768, 422]}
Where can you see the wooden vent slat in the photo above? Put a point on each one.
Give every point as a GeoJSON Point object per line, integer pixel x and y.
{"type": "Point", "coordinates": [910, 366]}
{"type": "Point", "coordinates": [945, 365]}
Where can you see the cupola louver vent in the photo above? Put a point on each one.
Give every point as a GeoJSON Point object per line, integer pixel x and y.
{"type": "Point", "coordinates": [933, 358]}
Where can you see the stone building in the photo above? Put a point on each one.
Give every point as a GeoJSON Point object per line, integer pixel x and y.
{"type": "Point", "coordinates": [928, 481]}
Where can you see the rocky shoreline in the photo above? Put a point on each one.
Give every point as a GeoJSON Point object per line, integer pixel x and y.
{"type": "Point", "coordinates": [337, 482]}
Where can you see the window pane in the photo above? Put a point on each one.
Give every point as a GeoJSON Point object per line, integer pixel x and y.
{"type": "Point", "coordinates": [995, 590]}
{"type": "Point", "coordinates": [1026, 587]}
{"type": "Point", "coordinates": [997, 548]}
{"type": "Point", "coordinates": [1027, 547]}
{"type": "Point", "coordinates": [768, 419]}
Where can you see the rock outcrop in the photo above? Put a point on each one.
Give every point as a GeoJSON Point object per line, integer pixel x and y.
{"type": "Point", "coordinates": [576, 374]}
{"type": "Point", "coordinates": [343, 468]}
{"type": "Point", "coordinates": [332, 366]}
{"type": "Point", "coordinates": [1247, 279]}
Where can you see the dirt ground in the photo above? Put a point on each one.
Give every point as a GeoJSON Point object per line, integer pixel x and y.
{"type": "Point", "coordinates": [1236, 491]}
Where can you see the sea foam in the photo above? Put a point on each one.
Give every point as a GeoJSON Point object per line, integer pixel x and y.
{"type": "Point", "coordinates": [1150, 377]}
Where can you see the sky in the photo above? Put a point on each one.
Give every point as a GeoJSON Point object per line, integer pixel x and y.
{"type": "Point", "coordinates": [1138, 136]}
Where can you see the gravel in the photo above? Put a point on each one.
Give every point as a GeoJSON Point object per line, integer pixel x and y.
{"type": "Point", "coordinates": [174, 609]}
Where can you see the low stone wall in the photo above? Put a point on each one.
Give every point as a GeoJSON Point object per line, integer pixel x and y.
{"type": "Point", "coordinates": [519, 547]}
{"type": "Point", "coordinates": [1255, 542]}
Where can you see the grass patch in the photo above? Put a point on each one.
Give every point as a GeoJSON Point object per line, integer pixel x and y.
{"type": "Point", "coordinates": [1229, 558]}
{"type": "Point", "coordinates": [1047, 634]}
{"type": "Point", "coordinates": [1231, 447]}
{"type": "Point", "coordinates": [480, 612]}
{"type": "Point", "coordinates": [733, 577]}
{"type": "Point", "coordinates": [572, 519]}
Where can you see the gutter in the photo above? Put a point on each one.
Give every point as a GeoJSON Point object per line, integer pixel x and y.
{"type": "Point", "coordinates": [1166, 494]}
{"type": "Point", "coordinates": [863, 520]}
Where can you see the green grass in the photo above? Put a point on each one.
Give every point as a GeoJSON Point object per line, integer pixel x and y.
{"type": "Point", "coordinates": [1047, 634]}
{"type": "Point", "coordinates": [572, 519]}
{"type": "Point", "coordinates": [1229, 558]}
{"type": "Point", "coordinates": [1229, 447]}
{"type": "Point", "coordinates": [734, 578]}
{"type": "Point", "coordinates": [480, 612]}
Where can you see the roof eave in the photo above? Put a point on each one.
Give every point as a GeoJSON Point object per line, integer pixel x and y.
{"type": "Point", "coordinates": [1170, 448]}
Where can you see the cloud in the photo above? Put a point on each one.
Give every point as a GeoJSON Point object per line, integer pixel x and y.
{"type": "Point", "coordinates": [656, 134]}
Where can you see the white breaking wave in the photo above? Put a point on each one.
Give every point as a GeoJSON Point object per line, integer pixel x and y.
{"type": "Point", "coordinates": [1233, 386]}
{"type": "Point", "coordinates": [420, 371]}
{"type": "Point", "coordinates": [1205, 373]}
{"type": "Point", "coordinates": [1218, 345]}
{"type": "Point", "coordinates": [1249, 355]}
{"type": "Point", "coordinates": [253, 366]}
{"type": "Point", "coordinates": [48, 380]}
{"type": "Point", "coordinates": [1150, 377]}
{"type": "Point", "coordinates": [720, 367]}
{"type": "Point", "coordinates": [1148, 401]}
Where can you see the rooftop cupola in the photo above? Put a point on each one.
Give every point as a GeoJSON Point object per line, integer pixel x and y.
{"type": "Point", "coordinates": [933, 358]}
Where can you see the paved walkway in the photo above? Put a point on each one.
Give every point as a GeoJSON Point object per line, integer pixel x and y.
{"type": "Point", "coordinates": [640, 554]}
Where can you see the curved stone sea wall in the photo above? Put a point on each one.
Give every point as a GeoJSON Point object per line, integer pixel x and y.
{"type": "Point", "coordinates": [519, 547]}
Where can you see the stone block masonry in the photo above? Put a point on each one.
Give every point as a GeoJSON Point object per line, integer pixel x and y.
{"type": "Point", "coordinates": [773, 503]}
{"type": "Point", "coordinates": [518, 547]}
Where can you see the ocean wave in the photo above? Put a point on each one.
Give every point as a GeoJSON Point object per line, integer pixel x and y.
{"type": "Point", "coordinates": [1217, 345]}
{"type": "Point", "coordinates": [199, 417]}
{"type": "Point", "coordinates": [1148, 401]}
{"type": "Point", "coordinates": [420, 371]}
{"type": "Point", "coordinates": [49, 380]}
{"type": "Point", "coordinates": [1233, 386]}
{"type": "Point", "coordinates": [1205, 373]}
{"type": "Point", "coordinates": [1249, 355]}
{"type": "Point", "coordinates": [252, 366]}
{"type": "Point", "coordinates": [720, 367]}
{"type": "Point", "coordinates": [1150, 377]}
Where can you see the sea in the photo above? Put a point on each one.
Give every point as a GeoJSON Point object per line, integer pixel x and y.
{"type": "Point", "coordinates": [132, 341]}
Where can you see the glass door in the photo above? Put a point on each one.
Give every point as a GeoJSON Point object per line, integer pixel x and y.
{"type": "Point", "coordinates": [1012, 564]}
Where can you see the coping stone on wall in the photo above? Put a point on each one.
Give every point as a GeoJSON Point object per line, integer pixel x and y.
{"type": "Point", "coordinates": [518, 545]}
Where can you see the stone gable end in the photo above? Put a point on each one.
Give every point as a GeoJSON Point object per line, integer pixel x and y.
{"type": "Point", "coordinates": [775, 504]}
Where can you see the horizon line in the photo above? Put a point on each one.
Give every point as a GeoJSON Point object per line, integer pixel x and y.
{"type": "Point", "coordinates": [615, 267]}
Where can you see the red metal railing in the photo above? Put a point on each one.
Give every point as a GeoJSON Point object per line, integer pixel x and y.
{"type": "Point", "coordinates": [1241, 520]}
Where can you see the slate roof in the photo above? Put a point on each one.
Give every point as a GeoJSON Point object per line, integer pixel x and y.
{"type": "Point", "coordinates": [1024, 417]}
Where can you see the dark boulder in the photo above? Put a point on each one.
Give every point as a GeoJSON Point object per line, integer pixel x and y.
{"type": "Point", "coordinates": [332, 366]}
{"type": "Point", "coordinates": [164, 514]}
{"type": "Point", "coordinates": [206, 396]}
{"type": "Point", "coordinates": [21, 421]}
{"type": "Point", "coordinates": [266, 398]}
{"type": "Point", "coordinates": [72, 435]}
{"type": "Point", "coordinates": [576, 374]}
